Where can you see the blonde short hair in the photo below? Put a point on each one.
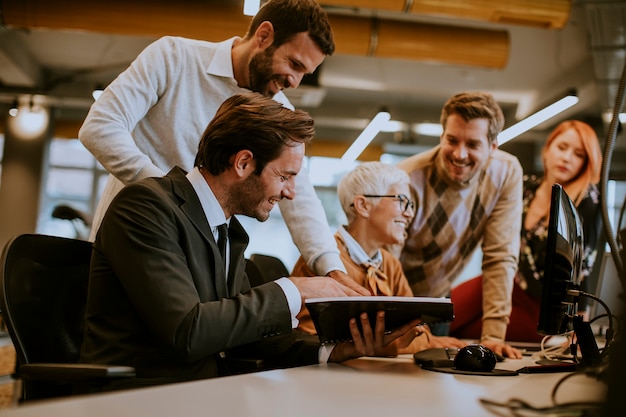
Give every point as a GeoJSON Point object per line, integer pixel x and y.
{"type": "Point", "coordinates": [368, 178]}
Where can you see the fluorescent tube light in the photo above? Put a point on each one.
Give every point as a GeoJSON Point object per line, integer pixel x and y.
{"type": "Point", "coordinates": [367, 135]}
{"type": "Point", "coordinates": [537, 118]}
{"type": "Point", "coordinates": [250, 7]}
{"type": "Point", "coordinates": [393, 126]}
{"type": "Point", "coordinates": [428, 129]}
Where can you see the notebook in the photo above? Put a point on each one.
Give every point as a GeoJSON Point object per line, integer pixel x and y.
{"type": "Point", "coordinates": [331, 316]}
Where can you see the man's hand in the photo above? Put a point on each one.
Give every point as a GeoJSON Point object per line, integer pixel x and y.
{"type": "Point", "coordinates": [502, 349]}
{"type": "Point", "coordinates": [428, 341]}
{"type": "Point", "coordinates": [348, 282]}
{"type": "Point", "coordinates": [446, 342]}
{"type": "Point", "coordinates": [317, 287]}
{"type": "Point", "coordinates": [373, 343]}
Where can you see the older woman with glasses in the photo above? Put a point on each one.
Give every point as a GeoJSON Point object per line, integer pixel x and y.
{"type": "Point", "coordinates": [378, 203]}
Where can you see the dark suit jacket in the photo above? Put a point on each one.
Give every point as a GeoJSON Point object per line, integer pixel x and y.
{"type": "Point", "coordinates": [158, 298]}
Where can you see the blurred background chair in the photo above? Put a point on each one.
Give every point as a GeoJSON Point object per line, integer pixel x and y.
{"type": "Point", "coordinates": [43, 295]}
{"type": "Point", "coordinates": [79, 220]}
{"type": "Point", "coordinates": [254, 274]}
{"type": "Point", "coordinates": [268, 268]}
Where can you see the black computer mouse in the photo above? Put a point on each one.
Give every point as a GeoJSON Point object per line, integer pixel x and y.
{"type": "Point", "coordinates": [475, 358]}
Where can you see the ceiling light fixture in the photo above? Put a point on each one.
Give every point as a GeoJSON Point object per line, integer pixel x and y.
{"type": "Point", "coordinates": [250, 7]}
{"type": "Point", "coordinates": [367, 135]}
{"type": "Point", "coordinates": [30, 120]}
{"type": "Point", "coordinates": [538, 118]}
{"type": "Point", "coordinates": [13, 110]}
{"type": "Point", "coordinates": [608, 115]}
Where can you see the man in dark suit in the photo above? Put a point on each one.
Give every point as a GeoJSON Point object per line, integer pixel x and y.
{"type": "Point", "coordinates": [162, 299]}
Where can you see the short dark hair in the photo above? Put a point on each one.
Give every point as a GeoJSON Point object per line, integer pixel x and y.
{"type": "Point", "coordinates": [290, 17]}
{"type": "Point", "coordinates": [474, 105]}
{"type": "Point", "coordinates": [254, 122]}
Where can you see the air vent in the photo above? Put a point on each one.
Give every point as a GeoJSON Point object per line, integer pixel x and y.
{"type": "Point", "coordinates": [606, 24]}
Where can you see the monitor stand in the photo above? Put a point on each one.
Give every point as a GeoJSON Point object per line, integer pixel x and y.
{"type": "Point", "coordinates": [585, 341]}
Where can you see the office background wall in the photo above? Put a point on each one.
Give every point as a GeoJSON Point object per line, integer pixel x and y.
{"type": "Point", "coordinates": [23, 170]}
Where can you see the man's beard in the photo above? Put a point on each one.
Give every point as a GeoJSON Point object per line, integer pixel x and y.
{"type": "Point", "coordinates": [247, 197]}
{"type": "Point", "coordinates": [260, 69]}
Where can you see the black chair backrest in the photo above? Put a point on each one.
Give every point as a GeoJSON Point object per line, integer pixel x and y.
{"type": "Point", "coordinates": [44, 290]}
{"type": "Point", "coordinates": [254, 274]}
{"type": "Point", "coordinates": [270, 267]}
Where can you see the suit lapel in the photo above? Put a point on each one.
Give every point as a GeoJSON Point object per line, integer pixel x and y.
{"type": "Point", "coordinates": [190, 205]}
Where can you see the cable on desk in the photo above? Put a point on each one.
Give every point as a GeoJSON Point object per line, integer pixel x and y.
{"type": "Point", "coordinates": [554, 353]}
{"type": "Point", "coordinates": [520, 408]}
{"type": "Point", "coordinates": [568, 376]}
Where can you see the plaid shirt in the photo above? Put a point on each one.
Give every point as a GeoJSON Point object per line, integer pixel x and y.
{"type": "Point", "coordinates": [452, 220]}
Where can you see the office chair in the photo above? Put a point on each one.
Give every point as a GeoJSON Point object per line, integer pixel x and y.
{"type": "Point", "coordinates": [43, 294]}
{"type": "Point", "coordinates": [80, 221]}
{"type": "Point", "coordinates": [254, 273]}
{"type": "Point", "coordinates": [269, 267]}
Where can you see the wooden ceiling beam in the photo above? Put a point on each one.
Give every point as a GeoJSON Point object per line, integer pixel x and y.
{"type": "Point", "coordinates": [421, 41]}
{"type": "Point", "coordinates": [549, 14]}
{"type": "Point", "coordinates": [214, 22]}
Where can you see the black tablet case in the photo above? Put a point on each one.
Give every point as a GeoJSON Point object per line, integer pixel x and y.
{"type": "Point", "coordinates": [331, 316]}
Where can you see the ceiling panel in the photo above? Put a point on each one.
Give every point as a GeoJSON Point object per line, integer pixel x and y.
{"type": "Point", "coordinates": [586, 54]}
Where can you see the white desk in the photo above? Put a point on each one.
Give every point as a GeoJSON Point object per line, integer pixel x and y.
{"type": "Point", "coordinates": [364, 387]}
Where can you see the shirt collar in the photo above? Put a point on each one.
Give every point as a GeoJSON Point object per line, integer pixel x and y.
{"type": "Point", "coordinates": [222, 63]}
{"type": "Point", "coordinates": [356, 252]}
{"type": "Point", "coordinates": [211, 207]}
{"type": "Point", "coordinates": [222, 66]}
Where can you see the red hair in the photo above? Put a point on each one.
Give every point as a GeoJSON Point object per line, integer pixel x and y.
{"type": "Point", "coordinates": [590, 171]}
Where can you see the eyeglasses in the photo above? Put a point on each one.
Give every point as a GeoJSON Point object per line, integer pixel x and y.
{"type": "Point", "coordinates": [405, 202]}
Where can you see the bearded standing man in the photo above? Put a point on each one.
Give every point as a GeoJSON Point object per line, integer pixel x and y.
{"type": "Point", "coordinates": [468, 193]}
{"type": "Point", "coordinates": [149, 119]}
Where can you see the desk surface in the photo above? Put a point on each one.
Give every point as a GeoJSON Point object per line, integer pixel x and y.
{"type": "Point", "coordinates": [363, 387]}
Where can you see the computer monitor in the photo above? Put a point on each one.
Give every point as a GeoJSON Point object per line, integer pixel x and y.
{"type": "Point", "coordinates": [560, 291]}
{"type": "Point", "coordinates": [564, 254]}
